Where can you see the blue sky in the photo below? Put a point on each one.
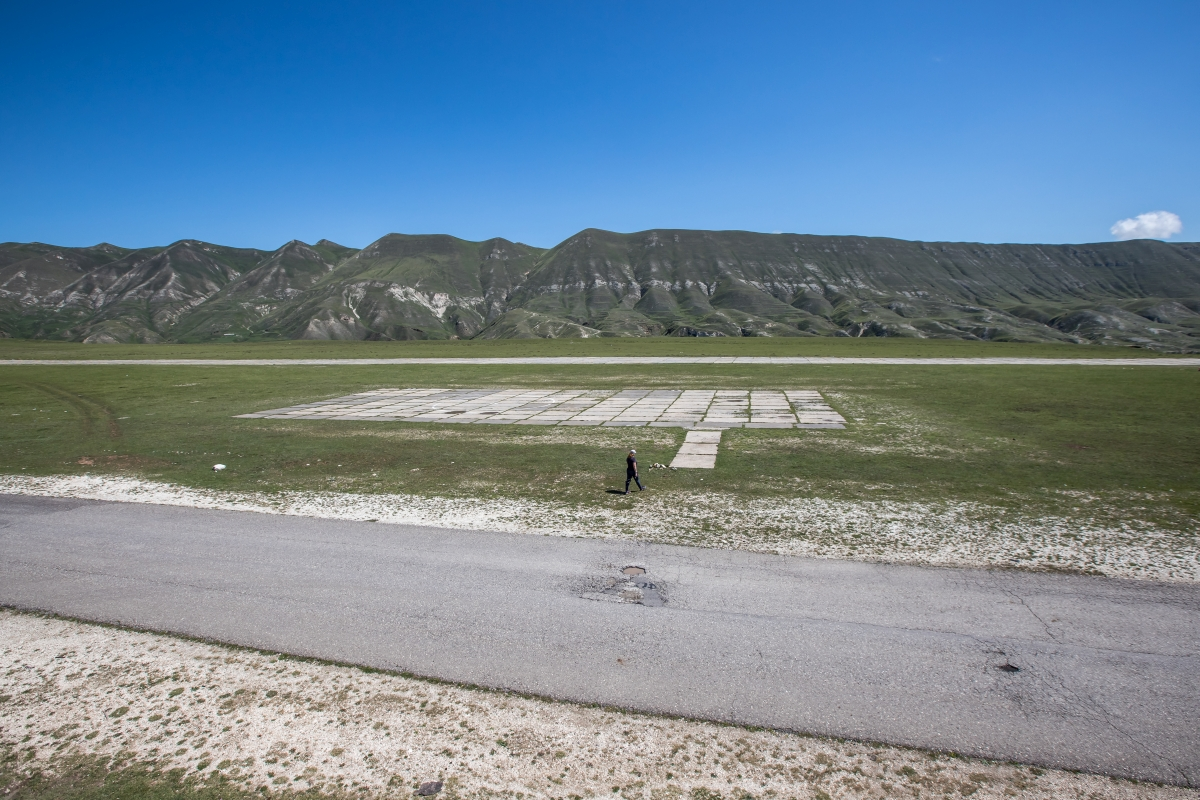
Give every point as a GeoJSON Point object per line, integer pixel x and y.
{"type": "Point", "coordinates": [254, 123]}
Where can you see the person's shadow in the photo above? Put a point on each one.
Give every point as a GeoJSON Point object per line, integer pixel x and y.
{"type": "Point", "coordinates": [615, 491]}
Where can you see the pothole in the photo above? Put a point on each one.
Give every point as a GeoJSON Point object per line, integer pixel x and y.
{"type": "Point", "coordinates": [633, 585]}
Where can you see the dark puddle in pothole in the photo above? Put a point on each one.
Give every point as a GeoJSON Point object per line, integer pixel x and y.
{"type": "Point", "coordinates": [631, 584]}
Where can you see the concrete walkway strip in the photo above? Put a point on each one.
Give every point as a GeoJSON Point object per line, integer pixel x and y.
{"type": "Point", "coordinates": [1069, 671]}
{"type": "Point", "coordinates": [699, 451]}
{"type": "Point", "coordinates": [601, 361]}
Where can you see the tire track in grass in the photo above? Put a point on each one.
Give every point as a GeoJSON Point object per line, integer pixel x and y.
{"type": "Point", "coordinates": [90, 411]}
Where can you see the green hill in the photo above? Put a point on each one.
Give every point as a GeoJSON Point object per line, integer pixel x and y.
{"type": "Point", "coordinates": [241, 305]}
{"type": "Point", "coordinates": [409, 287]}
{"type": "Point", "coordinates": [737, 283]}
{"type": "Point", "coordinates": [599, 283]}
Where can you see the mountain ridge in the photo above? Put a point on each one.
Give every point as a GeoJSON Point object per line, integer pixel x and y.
{"type": "Point", "coordinates": [674, 282]}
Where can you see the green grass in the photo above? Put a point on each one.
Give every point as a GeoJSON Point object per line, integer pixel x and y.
{"type": "Point", "coordinates": [1000, 434]}
{"type": "Point", "coordinates": [868, 347]}
{"type": "Point", "coordinates": [93, 778]}
{"type": "Point", "coordinates": [89, 777]}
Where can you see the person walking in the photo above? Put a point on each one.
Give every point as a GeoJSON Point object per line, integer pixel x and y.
{"type": "Point", "coordinates": [631, 472]}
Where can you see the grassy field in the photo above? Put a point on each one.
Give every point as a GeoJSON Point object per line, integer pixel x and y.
{"type": "Point", "coordinates": [1102, 445]}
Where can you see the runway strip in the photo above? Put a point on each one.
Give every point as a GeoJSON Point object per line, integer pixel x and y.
{"type": "Point", "coordinates": [1068, 671]}
{"type": "Point", "coordinates": [600, 361]}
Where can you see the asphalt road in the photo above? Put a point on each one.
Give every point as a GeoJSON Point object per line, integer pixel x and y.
{"type": "Point", "coordinates": [1107, 678]}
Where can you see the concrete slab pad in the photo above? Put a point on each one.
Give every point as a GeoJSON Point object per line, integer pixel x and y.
{"type": "Point", "coordinates": [685, 461]}
{"type": "Point", "coordinates": [706, 437]}
{"type": "Point", "coordinates": [698, 449]}
{"type": "Point", "coordinates": [691, 409]}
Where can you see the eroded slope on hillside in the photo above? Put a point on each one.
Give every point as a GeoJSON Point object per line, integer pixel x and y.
{"type": "Point", "coordinates": [662, 282]}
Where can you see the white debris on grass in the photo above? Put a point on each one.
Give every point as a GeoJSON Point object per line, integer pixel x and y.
{"type": "Point", "coordinates": [265, 722]}
{"type": "Point", "coordinates": [949, 533]}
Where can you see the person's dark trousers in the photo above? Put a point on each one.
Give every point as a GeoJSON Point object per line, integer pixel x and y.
{"type": "Point", "coordinates": [629, 476]}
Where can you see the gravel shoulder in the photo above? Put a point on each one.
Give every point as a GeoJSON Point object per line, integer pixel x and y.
{"type": "Point", "coordinates": [273, 723]}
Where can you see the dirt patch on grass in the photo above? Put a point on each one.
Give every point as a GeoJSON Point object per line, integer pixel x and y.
{"type": "Point", "coordinates": [123, 462]}
{"type": "Point", "coordinates": [273, 724]}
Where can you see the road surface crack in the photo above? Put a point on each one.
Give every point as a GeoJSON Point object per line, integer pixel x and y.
{"type": "Point", "coordinates": [1085, 702]}
{"type": "Point", "coordinates": [1034, 614]}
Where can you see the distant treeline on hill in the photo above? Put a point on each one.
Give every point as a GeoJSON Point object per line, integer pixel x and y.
{"type": "Point", "coordinates": [597, 283]}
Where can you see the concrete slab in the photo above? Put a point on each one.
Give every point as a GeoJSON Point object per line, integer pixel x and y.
{"type": "Point", "coordinates": [688, 461]}
{"type": "Point", "coordinates": [699, 450]}
{"type": "Point", "coordinates": [708, 409]}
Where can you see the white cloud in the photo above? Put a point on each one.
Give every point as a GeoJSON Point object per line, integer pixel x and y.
{"type": "Point", "coordinates": [1151, 225]}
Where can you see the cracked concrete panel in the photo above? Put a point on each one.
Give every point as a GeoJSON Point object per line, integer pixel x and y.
{"type": "Point", "coordinates": [699, 451]}
{"type": "Point", "coordinates": [693, 461]}
{"type": "Point", "coordinates": [708, 409]}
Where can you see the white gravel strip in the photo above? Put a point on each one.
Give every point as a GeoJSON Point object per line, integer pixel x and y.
{"type": "Point", "coordinates": [266, 722]}
{"type": "Point", "coordinates": [950, 533]}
